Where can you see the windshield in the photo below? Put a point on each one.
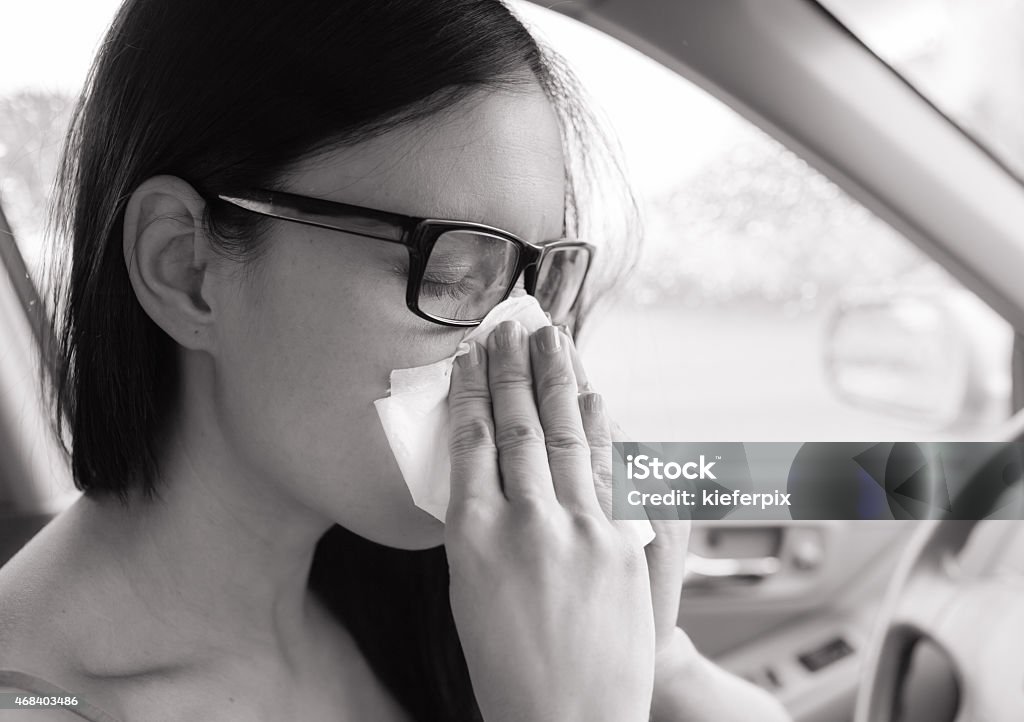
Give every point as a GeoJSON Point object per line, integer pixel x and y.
{"type": "Point", "coordinates": [966, 57]}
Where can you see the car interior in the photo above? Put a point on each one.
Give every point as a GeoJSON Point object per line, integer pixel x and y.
{"type": "Point", "coordinates": [843, 620]}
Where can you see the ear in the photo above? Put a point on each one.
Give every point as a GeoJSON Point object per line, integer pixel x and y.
{"type": "Point", "coordinates": [169, 259]}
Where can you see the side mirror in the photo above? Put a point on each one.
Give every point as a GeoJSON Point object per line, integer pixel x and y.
{"type": "Point", "coordinates": [940, 359]}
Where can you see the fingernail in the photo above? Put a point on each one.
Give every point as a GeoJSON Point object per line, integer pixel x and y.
{"type": "Point", "coordinates": [470, 358]}
{"type": "Point", "coordinates": [592, 402]}
{"type": "Point", "coordinates": [549, 339]}
{"type": "Point", "coordinates": [564, 329]}
{"type": "Point", "coordinates": [507, 334]}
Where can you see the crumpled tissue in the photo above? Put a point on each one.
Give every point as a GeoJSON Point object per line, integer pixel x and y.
{"type": "Point", "coordinates": [415, 416]}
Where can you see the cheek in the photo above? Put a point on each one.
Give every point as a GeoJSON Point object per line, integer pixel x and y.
{"type": "Point", "coordinates": [307, 359]}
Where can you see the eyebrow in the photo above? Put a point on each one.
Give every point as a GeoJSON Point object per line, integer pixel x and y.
{"type": "Point", "coordinates": [536, 236]}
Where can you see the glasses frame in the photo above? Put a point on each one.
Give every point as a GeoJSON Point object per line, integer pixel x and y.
{"type": "Point", "coordinates": [418, 235]}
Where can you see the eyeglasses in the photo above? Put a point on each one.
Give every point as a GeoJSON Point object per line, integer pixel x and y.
{"type": "Point", "coordinates": [458, 271]}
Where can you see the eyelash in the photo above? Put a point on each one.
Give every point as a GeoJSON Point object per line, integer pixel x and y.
{"type": "Point", "coordinates": [454, 291]}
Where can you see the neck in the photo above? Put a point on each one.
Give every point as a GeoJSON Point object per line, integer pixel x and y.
{"type": "Point", "coordinates": [215, 567]}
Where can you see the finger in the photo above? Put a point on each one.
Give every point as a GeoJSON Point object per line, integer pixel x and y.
{"type": "Point", "coordinates": [598, 426]}
{"type": "Point", "coordinates": [582, 381]}
{"type": "Point", "coordinates": [618, 434]}
{"type": "Point", "coordinates": [673, 539]}
{"type": "Point", "coordinates": [474, 457]}
{"type": "Point", "coordinates": [666, 563]}
{"type": "Point", "coordinates": [598, 433]}
{"type": "Point", "coordinates": [564, 437]}
{"type": "Point", "coordinates": [518, 433]}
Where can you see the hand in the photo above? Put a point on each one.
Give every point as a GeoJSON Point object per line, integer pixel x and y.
{"type": "Point", "coordinates": [551, 601]}
{"type": "Point", "coordinates": [666, 554]}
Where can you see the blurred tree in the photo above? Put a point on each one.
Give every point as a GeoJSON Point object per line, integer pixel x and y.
{"type": "Point", "coordinates": [759, 224]}
{"type": "Point", "coordinates": [32, 128]}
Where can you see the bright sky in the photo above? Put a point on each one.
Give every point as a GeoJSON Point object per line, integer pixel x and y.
{"type": "Point", "coordinates": [48, 44]}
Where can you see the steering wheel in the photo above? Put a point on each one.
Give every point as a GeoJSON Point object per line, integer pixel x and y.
{"type": "Point", "coordinates": [940, 594]}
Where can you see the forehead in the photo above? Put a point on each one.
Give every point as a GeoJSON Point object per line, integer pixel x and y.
{"type": "Point", "coordinates": [495, 158]}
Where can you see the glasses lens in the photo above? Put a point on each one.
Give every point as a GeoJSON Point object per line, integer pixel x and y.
{"type": "Point", "coordinates": [560, 279]}
{"type": "Point", "coordinates": [467, 274]}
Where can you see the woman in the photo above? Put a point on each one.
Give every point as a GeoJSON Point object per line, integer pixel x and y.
{"type": "Point", "coordinates": [245, 548]}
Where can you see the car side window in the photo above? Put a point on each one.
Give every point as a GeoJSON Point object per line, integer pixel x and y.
{"type": "Point", "coordinates": [767, 304]}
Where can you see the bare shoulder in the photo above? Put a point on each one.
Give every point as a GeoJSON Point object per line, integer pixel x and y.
{"type": "Point", "coordinates": [49, 610]}
{"type": "Point", "coordinates": [44, 615]}
{"type": "Point", "coordinates": [35, 584]}
{"type": "Point", "coordinates": [37, 715]}
{"type": "Point", "coordinates": [30, 637]}
{"type": "Point", "coordinates": [25, 597]}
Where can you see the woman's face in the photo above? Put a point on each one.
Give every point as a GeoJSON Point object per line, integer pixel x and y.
{"type": "Point", "coordinates": [307, 341]}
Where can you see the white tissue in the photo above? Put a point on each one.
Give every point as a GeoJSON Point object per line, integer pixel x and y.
{"type": "Point", "coordinates": [415, 416]}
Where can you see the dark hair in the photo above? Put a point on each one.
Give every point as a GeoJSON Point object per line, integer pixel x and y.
{"type": "Point", "coordinates": [228, 95]}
